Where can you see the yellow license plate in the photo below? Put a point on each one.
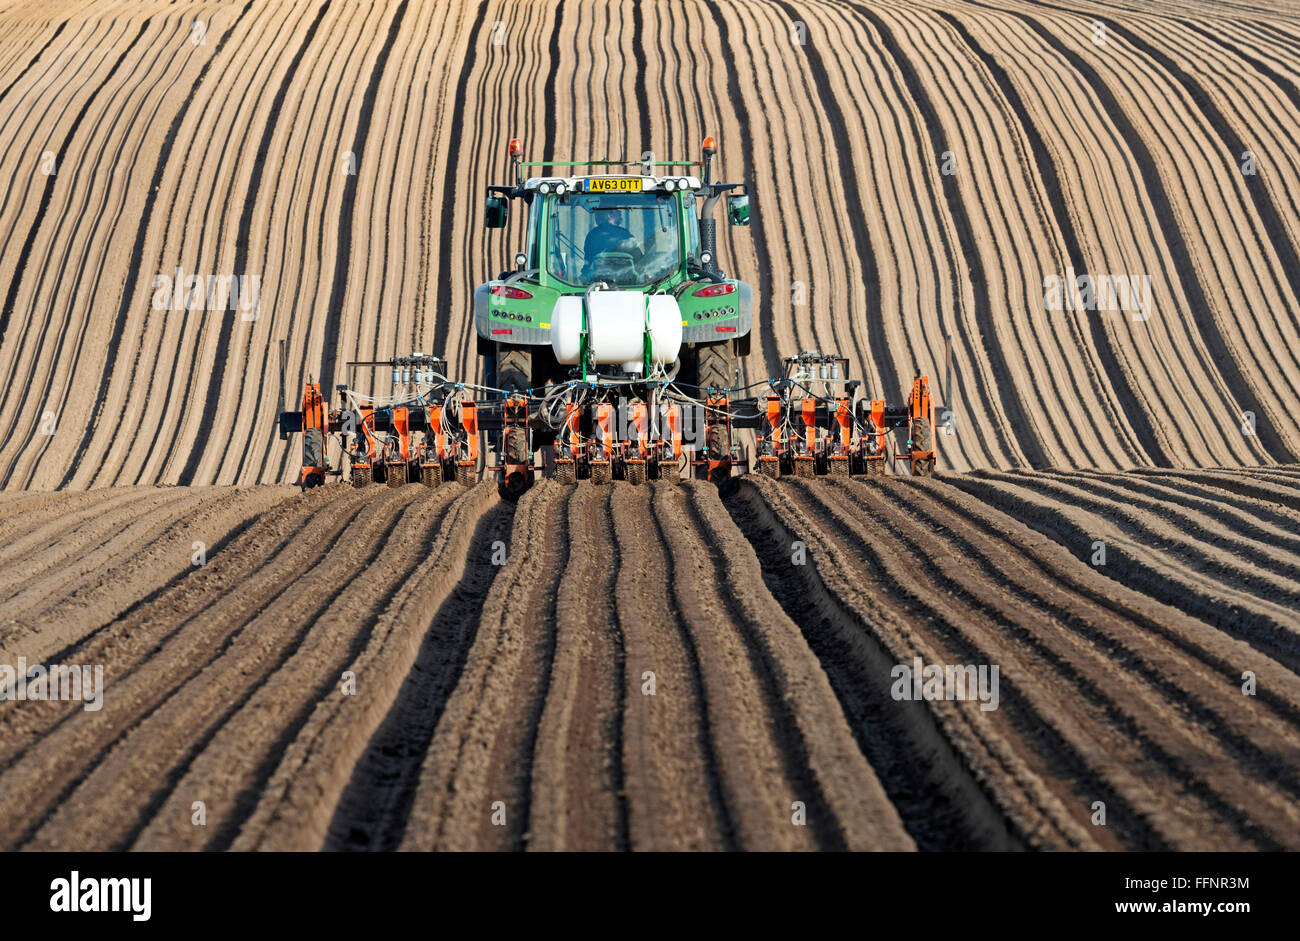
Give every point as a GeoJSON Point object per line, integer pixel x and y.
{"type": "Point", "coordinates": [614, 185]}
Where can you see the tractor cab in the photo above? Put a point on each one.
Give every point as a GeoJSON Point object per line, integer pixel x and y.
{"type": "Point", "coordinates": [641, 233]}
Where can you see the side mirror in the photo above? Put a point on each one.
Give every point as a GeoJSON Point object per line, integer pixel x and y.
{"type": "Point", "coordinates": [497, 212]}
{"type": "Point", "coordinates": [738, 209]}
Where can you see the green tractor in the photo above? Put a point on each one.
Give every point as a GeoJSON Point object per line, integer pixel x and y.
{"type": "Point", "coordinates": [618, 279]}
{"type": "Point", "coordinates": [611, 352]}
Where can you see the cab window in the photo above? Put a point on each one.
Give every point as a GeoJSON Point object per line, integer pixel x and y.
{"type": "Point", "coordinates": [623, 239]}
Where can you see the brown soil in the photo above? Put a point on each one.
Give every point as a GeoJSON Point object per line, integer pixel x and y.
{"type": "Point", "coordinates": [404, 668]}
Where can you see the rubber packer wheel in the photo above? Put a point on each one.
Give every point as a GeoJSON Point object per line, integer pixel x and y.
{"type": "Point", "coordinates": [430, 476]}
{"type": "Point", "coordinates": [922, 440]}
{"type": "Point", "coordinates": [514, 373]}
{"type": "Point", "coordinates": [770, 469]}
{"type": "Point", "coordinates": [719, 450]}
{"type": "Point", "coordinates": [566, 472]}
{"type": "Point", "coordinates": [515, 447]}
{"type": "Point", "coordinates": [636, 472]}
{"type": "Point", "coordinates": [670, 472]}
{"type": "Point", "coordinates": [805, 467]}
{"type": "Point", "coordinates": [361, 477]}
{"type": "Point", "coordinates": [465, 474]}
{"type": "Point", "coordinates": [396, 475]}
{"type": "Point", "coordinates": [601, 472]}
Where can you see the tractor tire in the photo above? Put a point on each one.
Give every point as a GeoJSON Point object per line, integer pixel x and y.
{"type": "Point", "coordinates": [514, 369]}
{"type": "Point", "coordinates": [715, 366]}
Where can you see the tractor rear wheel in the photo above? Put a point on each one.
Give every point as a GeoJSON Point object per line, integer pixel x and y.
{"type": "Point", "coordinates": [514, 369]}
{"type": "Point", "coordinates": [715, 366]}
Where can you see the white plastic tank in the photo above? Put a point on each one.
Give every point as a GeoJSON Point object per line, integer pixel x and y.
{"type": "Point", "coordinates": [566, 329]}
{"type": "Point", "coordinates": [665, 322]}
{"type": "Point", "coordinates": [617, 322]}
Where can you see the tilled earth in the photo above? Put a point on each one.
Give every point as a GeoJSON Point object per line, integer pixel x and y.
{"type": "Point", "coordinates": [918, 170]}
{"type": "Point", "coordinates": [655, 667]}
{"type": "Point", "coordinates": [660, 667]}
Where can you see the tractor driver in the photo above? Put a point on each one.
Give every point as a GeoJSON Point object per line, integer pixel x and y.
{"type": "Point", "coordinates": [609, 235]}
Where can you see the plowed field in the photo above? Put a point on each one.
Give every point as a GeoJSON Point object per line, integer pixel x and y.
{"type": "Point", "coordinates": [1114, 525]}
{"type": "Point", "coordinates": [663, 667]}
